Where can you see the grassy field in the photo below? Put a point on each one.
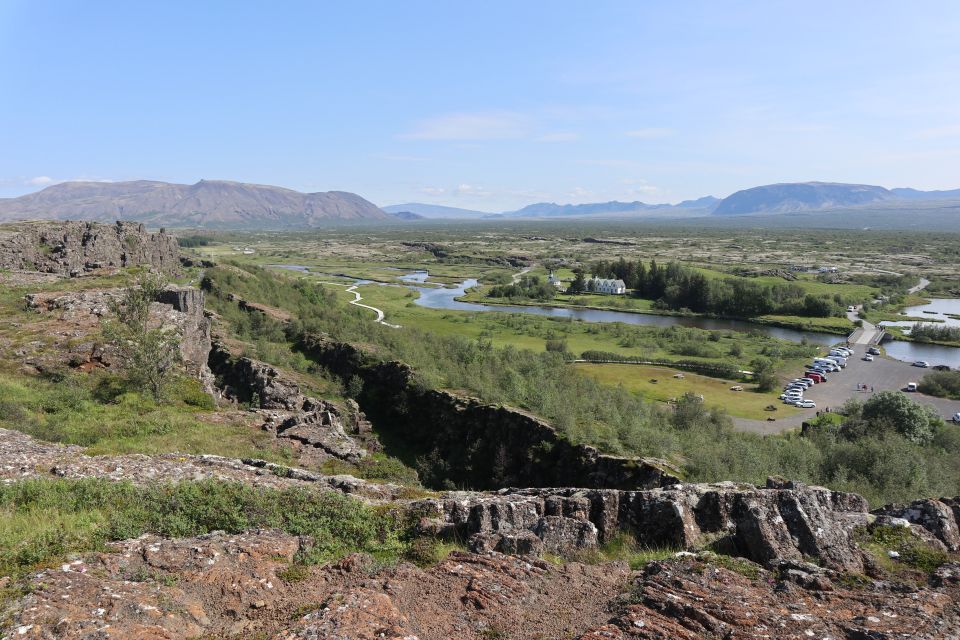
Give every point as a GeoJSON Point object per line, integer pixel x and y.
{"type": "Point", "coordinates": [748, 403]}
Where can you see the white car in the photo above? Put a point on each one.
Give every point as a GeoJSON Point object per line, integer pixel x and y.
{"type": "Point", "coordinates": [911, 386]}
{"type": "Point", "coordinates": [806, 404]}
{"type": "Point", "coordinates": [956, 417]}
{"type": "Point", "coordinates": [851, 308]}
{"type": "Point", "coordinates": [923, 364]}
{"type": "Point", "coordinates": [791, 397]}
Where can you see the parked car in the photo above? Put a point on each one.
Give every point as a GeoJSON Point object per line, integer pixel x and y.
{"type": "Point", "coordinates": [819, 376]}
{"type": "Point", "coordinates": [873, 351]}
{"type": "Point", "coordinates": [851, 308]}
{"type": "Point", "coordinates": [868, 358]}
{"type": "Point", "coordinates": [841, 351]}
{"type": "Point", "coordinates": [806, 404]}
{"type": "Point", "coordinates": [923, 364]}
{"type": "Point", "coordinates": [810, 381]}
{"type": "Point", "coordinates": [911, 386]}
{"type": "Point", "coordinates": [956, 417]}
{"type": "Point", "coordinates": [791, 396]}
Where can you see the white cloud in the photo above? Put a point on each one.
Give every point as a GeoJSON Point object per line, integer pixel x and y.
{"type": "Point", "coordinates": [949, 131]}
{"type": "Point", "coordinates": [559, 136]}
{"type": "Point", "coordinates": [650, 133]}
{"type": "Point", "coordinates": [579, 192]}
{"type": "Point", "coordinates": [470, 190]}
{"type": "Point", "coordinates": [433, 191]}
{"type": "Point", "coordinates": [40, 181]}
{"type": "Point", "coordinates": [490, 125]}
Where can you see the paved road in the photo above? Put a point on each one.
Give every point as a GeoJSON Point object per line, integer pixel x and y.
{"type": "Point", "coordinates": [883, 374]}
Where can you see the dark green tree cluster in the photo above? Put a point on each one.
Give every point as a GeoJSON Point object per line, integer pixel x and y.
{"type": "Point", "coordinates": [527, 288]}
{"type": "Point", "coordinates": [943, 384]}
{"type": "Point", "coordinates": [677, 287]}
{"type": "Point", "coordinates": [934, 332]}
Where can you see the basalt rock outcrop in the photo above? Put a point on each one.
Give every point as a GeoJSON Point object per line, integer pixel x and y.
{"type": "Point", "coordinates": [73, 248]}
{"type": "Point", "coordinates": [465, 442]}
{"type": "Point", "coordinates": [78, 316]}
{"type": "Point", "coordinates": [765, 524]}
{"type": "Point", "coordinates": [321, 429]}
{"type": "Point", "coordinates": [940, 517]}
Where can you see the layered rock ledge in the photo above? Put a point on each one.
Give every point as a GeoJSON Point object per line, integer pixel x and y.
{"type": "Point", "coordinates": [73, 248]}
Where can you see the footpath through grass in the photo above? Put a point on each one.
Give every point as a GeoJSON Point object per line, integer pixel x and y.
{"type": "Point", "coordinates": [659, 383]}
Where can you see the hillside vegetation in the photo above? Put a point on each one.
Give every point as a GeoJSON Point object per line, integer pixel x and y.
{"type": "Point", "coordinates": [884, 459]}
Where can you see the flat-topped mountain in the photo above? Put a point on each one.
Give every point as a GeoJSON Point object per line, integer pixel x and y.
{"type": "Point", "coordinates": [801, 196]}
{"type": "Point", "coordinates": [208, 203]}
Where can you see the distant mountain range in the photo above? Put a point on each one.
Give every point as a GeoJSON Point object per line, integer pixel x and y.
{"type": "Point", "coordinates": [435, 211]}
{"type": "Point", "coordinates": [768, 199]}
{"type": "Point", "coordinates": [237, 205]}
{"type": "Point", "coordinates": [206, 204]}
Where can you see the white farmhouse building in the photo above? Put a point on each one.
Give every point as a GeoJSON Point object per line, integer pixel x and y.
{"type": "Point", "coordinates": [555, 281]}
{"type": "Point", "coordinates": [604, 285]}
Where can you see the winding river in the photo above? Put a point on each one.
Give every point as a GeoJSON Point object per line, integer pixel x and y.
{"type": "Point", "coordinates": [445, 297]}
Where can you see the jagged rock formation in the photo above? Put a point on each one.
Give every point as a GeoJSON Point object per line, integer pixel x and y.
{"type": "Point", "coordinates": [78, 316]}
{"type": "Point", "coordinates": [789, 521]}
{"type": "Point", "coordinates": [222, 585]}
{"type": "Point", "coordinates": [478, 445]}
{"type": "Point", "coordinates": [319, 427]}
{"type": "Point", "coordinates": [940, 517]}
{"type": "Point", "coordinates": [72, 248]}
{"type": "Point", "coordinates": [22, 457]}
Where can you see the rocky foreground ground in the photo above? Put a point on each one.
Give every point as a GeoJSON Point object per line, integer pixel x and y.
{"type": "Point", "coordinates": [243, 586]}
{"type": "Point", "coordinates": [808, 578]}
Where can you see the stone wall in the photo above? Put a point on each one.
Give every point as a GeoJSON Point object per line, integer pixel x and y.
{"type": "Point", "coordinates": [72, 248]}
{"type": "Point", "coordinates": [463, 442]}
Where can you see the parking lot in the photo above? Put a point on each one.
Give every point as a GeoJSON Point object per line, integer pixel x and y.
{"type": "Point", "coordinates": [883, 374]}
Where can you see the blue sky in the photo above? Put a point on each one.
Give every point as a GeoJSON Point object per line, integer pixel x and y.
{"type": "Point", "coordinates": [488, 105]}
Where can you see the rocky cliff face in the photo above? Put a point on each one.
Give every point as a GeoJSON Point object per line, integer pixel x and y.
{"type": "Point", "coordinates": [320, 429]}
{"type": "Point", "coordinates": [71, 248]}
{"type": "Point", "coordinates": [778, 522]}
{"type": "Point", "coordinates": [77, 316]}
{"type": "Point", "coordinates": [466, 442]}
